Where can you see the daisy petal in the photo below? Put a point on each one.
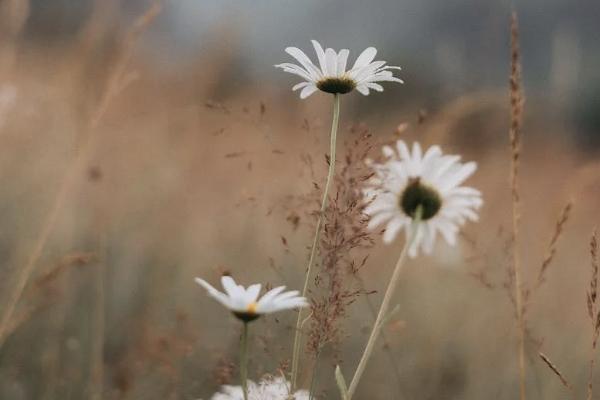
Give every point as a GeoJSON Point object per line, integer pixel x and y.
{"type": "Point", "coordinates": [305, 61]}
{"type": "Point", "coordinates": [320, 54]}
{"type": "Point", "coordinates": [307, 91]}
{"type": "Point", "coordinates": [365, 57]}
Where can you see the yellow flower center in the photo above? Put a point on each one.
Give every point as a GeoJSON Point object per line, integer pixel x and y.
{"type": "Point", "coordinates": [251, 309]}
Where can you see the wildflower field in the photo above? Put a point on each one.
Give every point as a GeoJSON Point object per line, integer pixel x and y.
{"type": "Point", "coordinates": [330, 222]}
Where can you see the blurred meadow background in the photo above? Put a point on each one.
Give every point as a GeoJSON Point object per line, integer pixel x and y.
{"type": "Point", "coordinates": [143, 144]}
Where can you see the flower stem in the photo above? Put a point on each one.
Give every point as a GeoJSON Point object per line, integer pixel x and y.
{"type": "Point", "coordinates": [385, 340]}
{"type": "Point", "coordinates": [313, 251]}
{"type": "Point", "coordinates": [385, 306]}
{"type": "Point", "coordinates": [244, 360]}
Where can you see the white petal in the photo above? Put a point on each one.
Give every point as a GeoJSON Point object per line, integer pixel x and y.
{"type": "Point", "coordinates": [320, 54]}
{"type": "Point", "coordinates": [307, 91]}
{"type": "Point", "coordinates": [330, 63]}
{"type": "Point", "coordinates": [362, 75]}
{"type": "Point", "coordinates": [287, 304]}
{"type": "Point", "coordinates": [465, 191]}
{"type": "Point", "coordinates": [432, 154]}
{"type": "Point", "coordinates": [375, 87]}
{"type": "Point", "coordinates": [382, 76]}
{"type": "Point", "coordinates": [403, 150]}
{"type": "Point", "coordinates": [448, 231]}
{"type": "Point", "coordinates": [230, 286]}
{"type": "Point", "coordinates": [416, 152]}
{"type": "Point", "coordinates": [267, 297]}
{"type": "Point", "coordinates": [285, 296]}
{"type": "Point", "coordinates": [342, 60]}
{"type": "Point", "coordinates": [428, 238]}
{"type": "Point", "coordinates": [252, 293]}
{"type": "Point", "coordinates": [444, 165]}
{"type": "Point", "coordinates": [300, 85]}
{"type": "Point", "coordinates": [283, 301]}
{"type": "Point", "coordinates": [365, 57]}
{"type": "Point", "coordinates": [296, 70]}
{"type": "Point", "coordinates": [381, 212]}
{"type": "Point", "coordinates": [414, 248]}
{"type": "Point", "coordinates": [214, 293]}
{"type": "Point", "coordinates": [363, 89]}
{"type": "Point", "coordinates": [458, 176]}
{"type": "Point", "coordinates": [305, 61]}
{"type": "Point", "coordinates": [375, 78]}
{"type": "Point", "coordinates": [387, 151]}
{"type": "Point", "coordinates": [392, 229]}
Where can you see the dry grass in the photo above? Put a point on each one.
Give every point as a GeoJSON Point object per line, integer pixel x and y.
{"type": "Point", "coordinates": [516, 116]}
{"type": "Point", "coordinates": [592, 308]}
{"type": "Point", "coordinates": [556, 371]}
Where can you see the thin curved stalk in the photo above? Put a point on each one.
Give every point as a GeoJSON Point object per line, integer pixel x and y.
{"type": "Point", "coordinates": [385, 307]}
{"type": "Point", "coordinates": [317, 236]}
{"type": "Point", "coordinates": [244, 360]}
{"type": "Point", "coordinates": [390, 354]}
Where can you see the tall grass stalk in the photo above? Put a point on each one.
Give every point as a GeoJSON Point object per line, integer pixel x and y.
{"type": "Point", "coordinates": [385, 306]}
{"type": "Point", "coordinates": [593, 310]}
{"type": "Point", "coordinates": [516, 111]}
{"type": "Point", "coordinates": [313, 251]}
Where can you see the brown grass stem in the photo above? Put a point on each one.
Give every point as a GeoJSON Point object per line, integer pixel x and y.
{"type": "Point", "coordinates": [556, 371]}
{"type": "Point", "coordinates": [593, 312]}
{"type": "Point", "coordinates": [516, 110]}
{"type": "Point", "coordinates": [558, 230]}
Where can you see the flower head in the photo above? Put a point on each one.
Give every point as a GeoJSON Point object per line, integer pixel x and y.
{"type": "Point", "coordinates": [408, 181]}
{"type": "Point", "coordinates": [267, 389]}
{"type": "Point", "coordinates": [331, 75]}
{"type": "Point", "coordinates": [245, 304]}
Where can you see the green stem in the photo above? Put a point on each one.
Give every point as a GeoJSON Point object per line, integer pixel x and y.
{"type": "Point", "coordinates": [313, 251]}
{"type": "Point", "coordinates": [386, 342]}
{"type": "Point", "coordinates": [385, 306]}
{"type": "Point", "coordinates": [244, 360]}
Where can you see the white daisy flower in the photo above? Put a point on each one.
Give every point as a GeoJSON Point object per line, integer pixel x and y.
{"type": "Point", "coordinates": [407, 180]}
{"type": "Point", "coordinates": [245, 304]}
{"type": "Point", "coordinates": [331, 75]}
{"type": "Point", "coordinates": [267, 389]}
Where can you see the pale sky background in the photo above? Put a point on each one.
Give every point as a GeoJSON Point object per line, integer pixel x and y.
{"type": "Point", "coordinates": [460, 40]}
{"type": "Point", "coordinates": [446, 48]}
